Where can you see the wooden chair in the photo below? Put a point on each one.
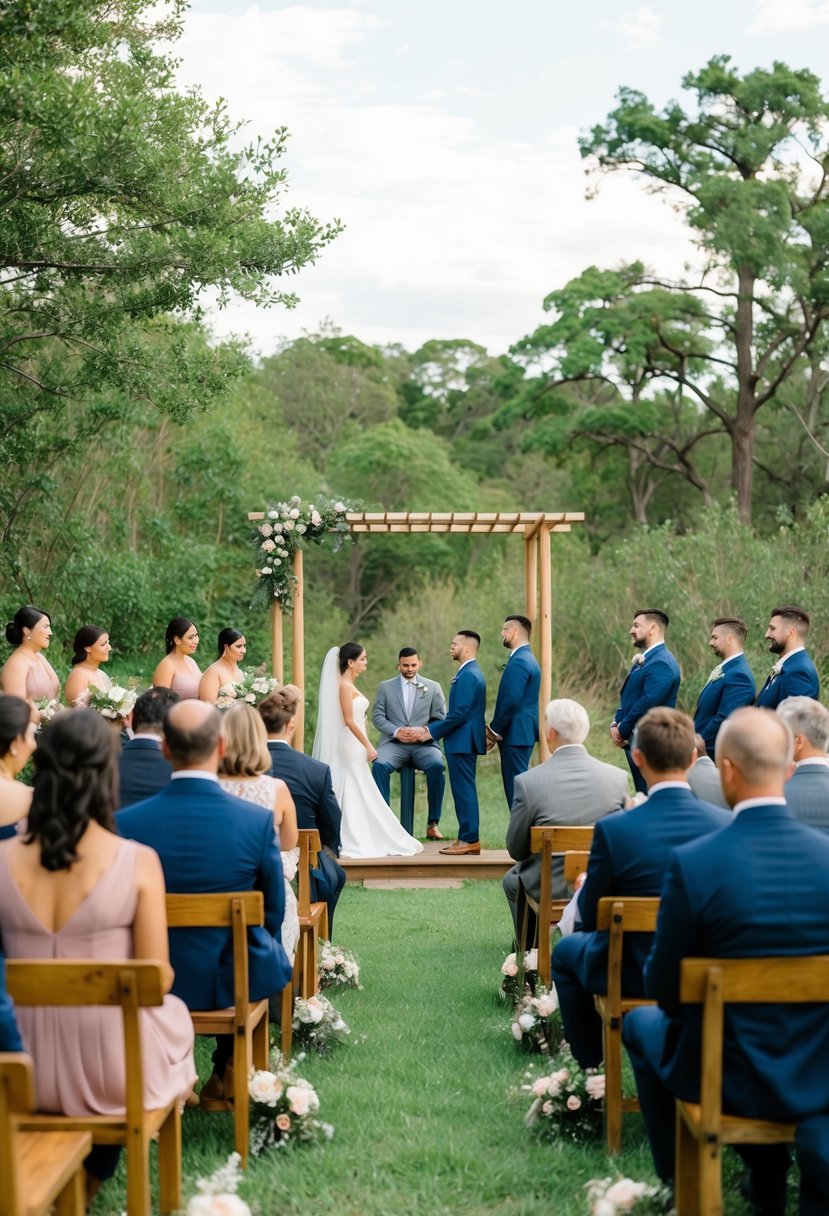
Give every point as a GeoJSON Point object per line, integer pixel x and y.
{"type": "Point", "coordinates": [130, 985]}
{"type": "Point", "coordinates": [313, 917]}
{"type": "Point", "coordinates": [575, 863]}
{"type": "Point", "coordinates": [245, 1019]}
{"type": "Point", "coordinates": [38, 1170]}
{"type": "Point", "coordinates": [549, 842]}
{"type": "Point", "coordinates": [702, 1128]}
{"type": "Point", "coordinates": [617, 916]}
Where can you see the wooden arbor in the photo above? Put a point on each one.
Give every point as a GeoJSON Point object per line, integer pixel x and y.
{"type": "Point", "coordinates": [534, 527]}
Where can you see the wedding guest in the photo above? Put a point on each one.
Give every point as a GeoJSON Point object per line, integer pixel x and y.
{"type": "Point", "coordinates": [143, 768]}
{"type": "Point", "coordinates": [731, 683]}
{"type": "Point", "coordinates": [245, 772]}
{"type": "Point", "coordinates": [26, 672]}
{"type": "Point", "coordinates": [807, 789]}
{"type": "Point", "coordinates": [231, 645]}
{"type": "Point", "coordinates": [514, 725]}
{"type": "Point", "coordinates": [178, 669]}
{"type": "Point", "coordinates": [72, 889]}
{"type": "Point", "coordinates": [17, 743]}
{"type": "Point", "coordinates": [703, 777]}
{"type": "Point", "coordinates": [10, 1039]}
{"type": "Point", "coordinates": [91, 648]}
{"type": "Point", "coordinates": [794, 674]}
{"type": "Point", "coordinates": [653, 680]}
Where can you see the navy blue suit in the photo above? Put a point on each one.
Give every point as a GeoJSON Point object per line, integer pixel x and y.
{"type": "Point", "coordinates": [515, 717]}
{"type": "Point", "coordinates": [463, 731]}
{"type": "Point", "coordinates": [144, 770]}
{"type": "Point", "coordinates": [798, 678]}
{"type": "Point", "coordinates": [719, 698]}
{"type": "Point", "coordinates": [652, 682]}
{"type": "Point", "coordinates": [759, 887]}
{"type": "Point", "coordinates": [629, 855]}
{"type": "Point", "coordinates": [10, 1039]}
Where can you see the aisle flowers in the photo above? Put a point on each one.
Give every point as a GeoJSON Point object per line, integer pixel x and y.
{"type": "Point", "coordinates": [566, 1099]}
{"type": "Point", "coordinates": [512, 986]}
{"type": "Point", "coordinates": [114, 703]}
{"type": "Point", "coordinates": [217, 1193]}
{"type": "Point", "coordinates": [338, 967]}
{"type": "Point", "coordinates": [613, 1196]}
{"type": "Point", "coordinates": [286, 527]}
{"type": "Point", "coordinates": [254, 686]}
{"type": "Point", "coordinates": [536, 1022]}
{"type": "Point", "coordinates": [283, 1109]}
{"type": "Point", "coordinates": [317, 1024]}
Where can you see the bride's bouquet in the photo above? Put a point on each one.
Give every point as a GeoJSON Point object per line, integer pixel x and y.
{"type": "Point", "coordinates": [254, 686]}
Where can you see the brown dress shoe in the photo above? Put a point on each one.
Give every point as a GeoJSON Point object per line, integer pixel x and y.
{"type": "Point", "coordinates": [433, 832]}
{"type": "Point", "coordinates": [458, 848]}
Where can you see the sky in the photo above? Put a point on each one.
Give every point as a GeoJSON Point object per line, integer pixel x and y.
{"type": "Point", "coordinates": [443, 134]}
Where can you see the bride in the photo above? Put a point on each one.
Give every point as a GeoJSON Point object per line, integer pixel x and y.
{"type": "Point", "coordinates": [369, 827]}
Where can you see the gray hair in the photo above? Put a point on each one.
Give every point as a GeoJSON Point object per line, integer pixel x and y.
{"type": "Point", "coordinates": [568, 719]}
{"type": "Point", "coordinates": [807, 717]}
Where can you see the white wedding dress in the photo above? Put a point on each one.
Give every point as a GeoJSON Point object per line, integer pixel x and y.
{"type": "Point", "coordinates": [369, 827]}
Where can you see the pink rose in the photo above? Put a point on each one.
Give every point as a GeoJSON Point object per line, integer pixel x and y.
{"type": "Point", "coordinates": [624, 1193]}
{"type": "Point", "coordinates": [540, 1087]}
{"type": "Point", "coordinates": [268, 546]}
{"type": "Point", "coordinates": [517, 1032]}
{"type": "Point", "coordinates": [283, 1122]}
{"type": "Point", "coordinates": [595, 1087]}
{"type": "Point", "coordinates": [573, 1102]}
{"type": "Point", "coordinates": [546, 1108]}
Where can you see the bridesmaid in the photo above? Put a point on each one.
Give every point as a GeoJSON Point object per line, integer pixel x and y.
{"type": "Point", "coordinates": [17, 743]}
{"type": "Point", "coordinates": [92, 648]}
{"type": "Point", "coordinates": [226, 669]}
{"type": "Point", "coordinates": [26, 673]}
{"type": "Point", "coordinates": [178, 669]}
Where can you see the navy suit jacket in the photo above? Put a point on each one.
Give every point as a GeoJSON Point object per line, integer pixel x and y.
{"type": "Point", "coordinates": [210, 841]}
{"type": "Point", "coordinates": [654, 682]}
{"type": "Point", "coordinates": [464, 727]}
{"type": "Point", "coordinates": [807, 795]}
{"type": "Point", "coordinates": [144, 770]}
{"type": "Point", "coordinates": [720, 698]}
{"type": "Point", "coordinates": [10, 1039]}
{"type": "Point", "coordinates": [309, 781]}
{"type": "Point", "coordinates": [629, 855]}
{"type": "Point", "coordinates": [798, 678]}
{"type": "Point", "coordinates": [759, 887]}
{"type": "Point", "coordinates": [515, 717]}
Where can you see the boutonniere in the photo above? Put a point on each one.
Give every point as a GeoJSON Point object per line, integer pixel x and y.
{"type": "Point", "coordinates": [421, 687]}
{"type": "Point", "coordinates": [777, 669]}
{"type": "Point", "coordinates": [638, 660]}
{"type": "Point", "coordinates": [716, 674]}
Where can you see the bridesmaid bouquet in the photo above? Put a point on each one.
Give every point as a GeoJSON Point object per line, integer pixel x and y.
{"type": "Point", "coordinates": [283, 1109]}
{"type": "Point", "coordinates": [338, 967]}
{"type": "Point", "coordinates": [567, 1099]}
{"type": "Point", "coordinates": [254, 686]}
{"type": "Point", "coordinates": [47, 707]}
{"type": "Point", "coordinates": [116, 702]}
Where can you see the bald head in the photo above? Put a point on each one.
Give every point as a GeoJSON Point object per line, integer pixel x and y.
{"type": "Point", "coordinates": [192, 736]}
{"type": "Point", "coordinates": [754, 752]}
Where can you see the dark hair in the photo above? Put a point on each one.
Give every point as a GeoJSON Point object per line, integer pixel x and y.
{"type": "Point", "coordinates": [87, 635]}
{"type": "Point", "coordinates": [188, 747]}
{"type": "Point", "coordinates": [798, 617]}
{"type": "Point", "coordinates": [14, 718]}
{"type": "Point", "coordinates": [654, 614]}
{"type": "Point", "coordinates": [407, 652]}
{"type": "Point", "coordinates": [666, 738]}
{"type": "Point", "coordinates": [524, 621]}
{"type": "Point", "coordinates": [227, 637]}
{"type": "Point", "coordinates": [470, 633]}
{"type": "Point", "coordinates": [176, 629]}
{"type": "Point", "coordinates": [734, 623]}
{"type": "Point", "coordinates": [152, 708]}
{"type": "Point", "coordinates": [24, 618]}
{"type": "Point", "coordinates": [278, 707]}
{"type": "Point", "coordinates": [76, 782]}
{"type": "Point", "coordinates": [349, 650]}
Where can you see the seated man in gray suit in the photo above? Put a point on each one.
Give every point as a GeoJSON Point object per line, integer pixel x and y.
{"type": "Point", "coordinates": [807, 790]}
{"type": "Point", "coordinates": [402, 706]}
{"type": "Point", "coordinates": [570, 789]}
{"type": "Point", "coordinates": [704, 777]}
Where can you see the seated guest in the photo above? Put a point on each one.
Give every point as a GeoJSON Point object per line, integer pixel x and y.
{"type": "Point", "coordinates": [309, 781]}
{"type": "Point", "coordinates": [703, 777]}
{"type": "Point", "coordinates": [144, 770]}
{"type": "Point", "coordinates": [759, 887]}
{"type": "Point", "coordinates": [210, 841]}
{"type": "Point", "coordinates": [807, 790]}
{"type": "Point", "coordinates": [629, 855]}
{"type": "Point", "coordinates": [570, 788]}
{"type": "Point", "coordinates": [10, 1039]}
{"type": "Point", "coordinates": [18, 740]}
{"type": "Point", "coordinates": [72, 889]}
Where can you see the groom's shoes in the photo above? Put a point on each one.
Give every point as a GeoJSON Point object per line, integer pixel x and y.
{"type": "Point", "coordinates": [460, 847]}
{"type": "Point", "coordinates": [433, 832]}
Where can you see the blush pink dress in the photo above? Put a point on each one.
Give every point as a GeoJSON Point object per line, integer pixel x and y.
{"type": "Point", "coordinates": [41, 682]}
{"type": "Point", "coordinates": [78, 1053]}
{"type": "Point", "coordinates": [187, 686]}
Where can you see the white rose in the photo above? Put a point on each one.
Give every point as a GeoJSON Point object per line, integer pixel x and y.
{"type": "Point", "coordinates": [273, 515]}
{"type": "Point", "coordinates": [266, 529]}
{"type": "Point", "coordinates": [317, 1015]}
{"type": "Point", "coordinates": [277, 528]}
{"type": "Point", "coordinates": [339, 507]}
{"type": "Point", "coordinates": [526, 1021]}
{"type": "Point", "coordinates": [295, 498]}
{"type": "Point", "coordinates": [339, 959]}
{"type": "Point", "coordinates": [531, 960]}
{"type": "Point", "coordinates": [250, 698]}
{"type": "Point", "coordinates": [328, 963]}
{"type": "Point", "coordinates": [117, 692]}
{"type": "Point", "coordinates": [547, 1004]}
{"type": "Point", "coordinates": [288, 525]}
{"type": "Point", "coordinates": [595, 1086]}
{"type": "Point", "coordinates": [624, 1193]}
{"type": "Point", "coordinates": [277, 561]}
{"type": "Point", "coordinates": [316, 518]}
{"type": "Point", "coordinates": [109, 713]}
{"type": "Point", "coordinates": [268, 546]}
{"type": "Point", "coordinates": [600, 1208]}
{"type": "Point", "coordinates": [266, 570]}
{"type": "Point", "coordinates": [217, 1205]}
{"type": "Point", "coordinates": [302, 1099]}
{"type": "Point", "coordinates": [301, 529]}
{"type": "Point", "coordinates": [265, 1087]}
{"type": "Point", "coordinates": [294, 513]}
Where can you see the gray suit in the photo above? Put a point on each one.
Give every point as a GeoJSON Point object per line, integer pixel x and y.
{"type": "Point", "coordinates": [571, 789]}
{"type": "Point", "coordinates": [807, 795]}
{"type": "Point", "coordinates": [388, 715]}
{"type": "Point", "coordinates": [704, 780]}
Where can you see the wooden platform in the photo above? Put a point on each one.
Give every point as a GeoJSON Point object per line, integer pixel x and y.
{"type": "Point", "coordinates": [491, 863]}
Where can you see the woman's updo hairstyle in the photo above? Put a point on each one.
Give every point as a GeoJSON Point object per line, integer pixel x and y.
{"type": "Point", "coordinates": [24, 618]}
{"type": "Point", "coordinates": [87, 635]}
{"type": "Point", "coordinates": [176, 629]}
{"type": "Point", "coordinates": [76, 782]}
{"type": "Point", "coordinates": [227, 637]}
{"type": "Point", "coordinates": [14, 718]}
{"type": "Point", "coordinates": [351, 650]}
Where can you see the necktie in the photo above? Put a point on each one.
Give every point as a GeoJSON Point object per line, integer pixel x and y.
{"type": "Point", "coordinates": [408, 698]}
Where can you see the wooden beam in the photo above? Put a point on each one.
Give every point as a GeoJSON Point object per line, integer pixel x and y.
{"type": "Point", "coordinates": [298, 635]}
{"type": "Point", "coordinates": [545, 633]}
{"type": "Point", "coordinates": [277, 645]}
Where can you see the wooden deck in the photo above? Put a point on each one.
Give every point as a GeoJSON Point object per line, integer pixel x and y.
{"type": "Point", "coordinates": [491, 863]}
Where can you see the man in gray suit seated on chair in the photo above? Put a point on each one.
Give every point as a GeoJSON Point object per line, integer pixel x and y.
{"type": "Point", "coordinates": [704, 776]}
{"type": "Point", "coordinates": [807, 790]}
{"type": "Point", "coordinates": [571, 789]}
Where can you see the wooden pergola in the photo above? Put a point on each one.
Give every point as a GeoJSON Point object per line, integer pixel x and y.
{"type": "Point", "coordinates": [535, 528]}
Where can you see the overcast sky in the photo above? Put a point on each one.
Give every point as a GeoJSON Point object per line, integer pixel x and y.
{"type": "Point", "coordinates": [443, 134]}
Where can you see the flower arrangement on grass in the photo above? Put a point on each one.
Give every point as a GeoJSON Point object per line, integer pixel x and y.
{"type": "Point", "coordinates": [283, 1109]}
{"type": "Point", "coordinates": [536, 1022]}
{"type": "Point", "coordinates": [566, 1099]}
{"type": "Point", "coordinates": [338, 967]}
{"type": "Point", "coordinates": [613, 1196]}
{"type": "Point", "coordinates": [513, 985]}
{"type": "Point", "coordinates": [254, 686]}
{"type": "Point", "coordinates": [286, 527]}
{"type": "Point", "coordinates": [217, 1194]}
{"type": "Point", "coordinates": [114, 703]}
{"type": "Point", "coordinates": [317, 1025]}
{"type": "Point", "coordinates": [47, 707]}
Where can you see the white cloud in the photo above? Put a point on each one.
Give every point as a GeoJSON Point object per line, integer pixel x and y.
{"type": "Point", "coordinates": [779, 16]}
{"type": "Point", "coordinates": [639, 28]}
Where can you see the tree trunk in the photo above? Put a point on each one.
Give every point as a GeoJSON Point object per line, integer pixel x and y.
{"type": "Point", "coordinates": [743, 432]}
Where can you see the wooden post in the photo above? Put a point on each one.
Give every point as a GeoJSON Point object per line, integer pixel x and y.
{"type": "Point", "coordinates": [298, 635]}
{"type": "Point", "coordinates": [531, 583]}
{"type": "Point", "coordinates": [277, 648]}
{"type": "Point", "coordinates": [545, 635]}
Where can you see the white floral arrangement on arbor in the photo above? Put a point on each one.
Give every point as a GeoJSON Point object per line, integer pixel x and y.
{"type": "Point", "coordinates": [286, 527]}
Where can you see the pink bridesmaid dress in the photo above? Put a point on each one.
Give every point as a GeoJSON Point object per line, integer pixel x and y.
{"type": "Point", "coordinates": [187, 686]}
{"type": "Point", "coordinates": [41, 682]}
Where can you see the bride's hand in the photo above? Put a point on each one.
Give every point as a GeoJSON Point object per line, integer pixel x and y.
{"type": "Point", "coordinates": [372, 753]}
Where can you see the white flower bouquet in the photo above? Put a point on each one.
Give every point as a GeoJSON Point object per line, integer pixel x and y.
{"type": "Point", "coordinates": [317, 1024]}
{"type": "Point", "coordinates": [217, 1194]}
{"type": "Point", "coordinates": [286, 527]}
{"type": "Point", "coordinates": [47, 707]}
{"type": "Point", "coordinates": [338, 967]}
{"type": "Point", "coordinates": [566, 1099]}
{"type": "Point", "coordinates": [283, 1107]}
{"type": "Point", "coordinates": [514, 984]}
{"type": "Point", "coordinates": [536, 1022]}
{"type": "Point", "coordinates": [254, 686]}
{"type": "Point", "coordinates": [115, 703]}
{"type": "Point", "coordinates": [614, 1196]}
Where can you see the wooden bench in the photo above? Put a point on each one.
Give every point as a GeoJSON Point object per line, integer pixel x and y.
{"type": "Point", "coordinates": [130, 985]}
{"type": "Point", "coordinates": [38, 1170]}
{"type": "Point", "coordinates": [701, 1127]}
{"type": "Point", "coordinates": [549, 842]}
{"type": "Point", "coordinates": [313, 917]}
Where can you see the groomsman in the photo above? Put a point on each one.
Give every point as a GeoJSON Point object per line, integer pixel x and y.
{"type": "Point", "coordinates": [463, 731]}
{"type": "Point", "coordinates": [730, 685]}
{"type": "Point", "coordinates": [514, 725]}
{"type": "Point", "coordinates": [794, 674]}
{"type": "Point", "coordinates": [652, 680]}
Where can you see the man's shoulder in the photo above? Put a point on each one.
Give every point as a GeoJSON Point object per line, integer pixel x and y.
{"type": "Point", "coordinates": [808, 774]}
{"type": "Point", "coordinates": [663, 655]}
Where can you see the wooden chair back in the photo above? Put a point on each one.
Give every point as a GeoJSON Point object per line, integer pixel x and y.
{"type": "Point", "coordinates": [550, 842]}
{"type": "Point", "coordinates": [575, 863]}
{"type": "Point", "coordinates": [313, 915]}
{"type": "Point", "coordinates": [309, 851]}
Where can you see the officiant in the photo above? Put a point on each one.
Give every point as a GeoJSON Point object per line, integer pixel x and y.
{"type": "Point", "coordinates": [402, 706]}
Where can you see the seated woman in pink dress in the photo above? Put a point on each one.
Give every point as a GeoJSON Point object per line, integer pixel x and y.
{"type": "Point", "coordinates": [178, 669]}
{"type": "Point", "coordinates": [72, 889]}
{"type": "Point", "coordinates": [91, 648]}
{"type": "Point", "coordinates": [26, 673]}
